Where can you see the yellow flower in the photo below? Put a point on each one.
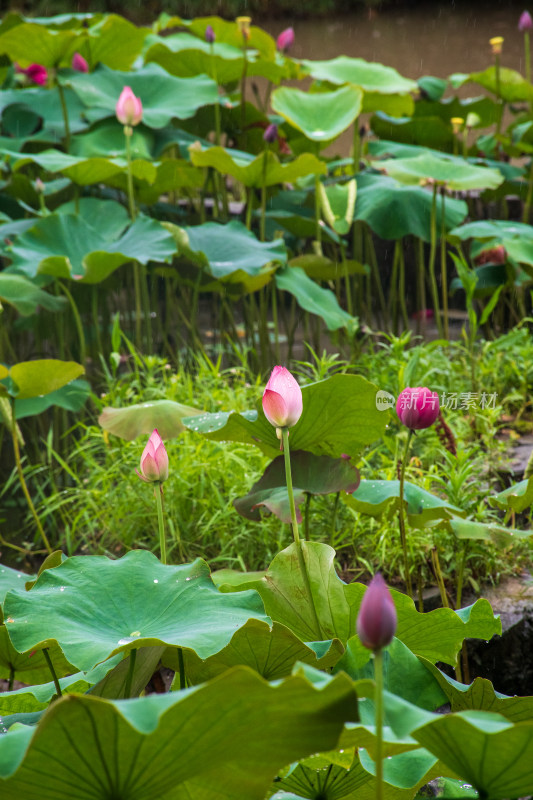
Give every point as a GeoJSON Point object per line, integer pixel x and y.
{"type": "Point", "coordinates": [496, 43]}
{"type": "Point", "coordinates": [457, 123]}
{"type": "Point", "coordinates": [243, 24]}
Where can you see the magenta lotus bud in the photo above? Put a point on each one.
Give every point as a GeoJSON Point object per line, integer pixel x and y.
{"type": "Point", "coordinates": [271, 134]}
{"type": "Point", "coordinates": [377, 620]}
{"type": "Point", "coordinates": [285, 40]}
{"type": "Point", "coordinates": [79, 63]}
{"type": "Point", "coordinates": [210, 35]}
{"type": "Point", "coordinates": [129, 109]}
{"type": "Point", "coordinates": [282, 399]}
{"type": "Point", "coordinates": [35, 73]}
{"type": "Point", "coordinates": [525, 23]}
{"type": "Point", "coordinates": [154, 460]}
{"type": "Point", "coordinates": [417, 408]}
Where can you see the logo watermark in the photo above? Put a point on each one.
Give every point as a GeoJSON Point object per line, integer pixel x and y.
{"type": "Point", "coordinates": [453, 401]}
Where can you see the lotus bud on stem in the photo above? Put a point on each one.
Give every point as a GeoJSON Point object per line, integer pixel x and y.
{"type": "Point", "coordinates": [154, 469]}
{"type": "Point", "coordinates": [283, 406]}
{"type": "Point", "coordinates": [525, 24]}
{"type": "Point", "coordinates": [376, 625]}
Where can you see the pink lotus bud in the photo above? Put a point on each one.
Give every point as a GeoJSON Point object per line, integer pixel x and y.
{"type": "Point", "coordinates": [493, 255]}
{"type": "Point", "coordinates": [154, 460]}
{"type": "Point", "coordinates": [35, 73]}
{"type": "Point", "coordinates": [417, 408]}
{"type": "Point", "coordinates": [210, 35]}
{"type": "Point", "coordinates": [282, 399]}
{"type": "Point", "coordinates": [525, 23]}
{"type": "Point", "coordinates": [79, 63]}
{"type": "Point", "coordinates": [285, 40]}
{"type": "Point", "coordinates": [377, 620]}
{"type": "Point", "coordinates": [271, 134]}
{"type": "Point", "coordinates": [129, 109]}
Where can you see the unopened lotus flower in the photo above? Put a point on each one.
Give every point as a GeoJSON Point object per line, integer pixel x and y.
{"type": "Point", "coordinates": [271, 133]}
{"type": "Point", "coordinates": [525, 23]}
{"type": "Point", "coordinates": [210, 34]}
{"type": "Point", "coordinates": [418, 407]}
{"type": "Point", "coordinates": [129, 109]}
{"type": "Point", "coordinates": [154, 460]}
{"type": "Point", "coordinates": [35, 73]}
{"type": "Point", "coordinates": [282, 399]}
{"type": "Point", "coordinates": [377, 619]}
{"type": "Point", "coordinates": [285, 40]}
{"type": "Point", "coordinates": [79, 63]}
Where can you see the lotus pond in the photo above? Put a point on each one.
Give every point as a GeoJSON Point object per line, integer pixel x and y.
{"type": "Point", "coordinates": [178, 223]}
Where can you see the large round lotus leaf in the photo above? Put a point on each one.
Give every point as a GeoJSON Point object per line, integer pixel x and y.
{"type": "Point", "coordinates": [311, 474]}
{"type": "Point", "coordinates": [499, 230]}
{"type": "Point", "coordinates": [517, 497]}
{"type": "Point", "coordinates": [321, 116]}
{"type": "Point", "coordinates": [322, 429]}
{"type": "Point", "coordinates": [437, 636]}
{"type": "Point", "coordinates": [378, 497]}
{"type": "Point", "coordinates": [163, 96]}
{"type": "Point", "coordinates": [227, 738]}
{"type": "Point", "coordinates": [511, 86]}
{"type": "Point", "coordinates": [42, 376]}
{"type": "Point", "coordinates": [44, 105]}
{"type": "Point", "coordinates": [325, 780]}
{"type": "Point", "coordinates": [452, 173]}
{"type": "Point", "coordinates": [496, 534]}
{"type": "Point", "coordinates": [142, 418]}
{"type": "Point", "coordinates": [94, 608]}
{"type": "Point", "coordinates": [393, 211]}
{"type": "Point", "coordinates": [25, 296]}
{"type": "Point", "coordinates": [315, 299]}
{"type": "Point", "coordinates": [232, 248]}
{"type": "Point", "coordinates": [106, 138]}
{"type": "Point", "coordinates": [114, 41]}
{"type": "Point", "coordinates": [252, 172]}
{"type": "Point", "coordinates": [431, 132]}
{"type": "Point", "coordinates": [369, 75]}
{"type": "Point", "coordinates": [71, 397]}
{"type": "Point", "coordinates": [492, 754]}
{"type": "Point", "coordinates": [67, 246]}
{"type": "Point", "coordinates": [272, 651]}
{"type": "Point", "coordinates": [28, 43]}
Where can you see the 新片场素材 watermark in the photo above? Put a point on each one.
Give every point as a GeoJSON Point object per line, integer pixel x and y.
{"type": "Point", "coordinates": [449, 400]}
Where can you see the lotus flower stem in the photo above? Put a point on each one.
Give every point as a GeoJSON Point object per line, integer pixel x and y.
{"type": "Point", "coordinates": [48, 660]}
{"type": "Point", "coordinates": [356, 146]}
{"type": "Point", "coordinates": [318, 229]}
{"type": "Point", "coordinates": [460, 577]}
{"type": "Point", "coordinates": [217, 105]}
{"type": "Point", "coordinates": [443, 269]}
{"type": "Point", "coordinates": [262, 225]}
{"type": "Point", "coordinates": [334, 519]}
{"type": "Point", "coordinates": [274, 304]}
{"type": "Point", "coordinates": [527, 205]}
{"type": "Point", "coordinates": [158, 491]}
{"type": "Point", "coordinates": [129, 676]}
{"type": "Point", "coordinates": [401, 516]}
{"type": "Point", "coordinates": [438, 575]}
{"type": "Point", "coordinates": [23, 484]}
{"type": "Point", "coordinates": [527, 56]}
{"type": "Point", "coordinates": [183, 678]}
{"type": "Point", "coordinates": [432, 254]}
{"type": "Point", "coordinates": [347, 282]}
{"type": "Point", "coordinates": [401, 286]}
{"type": "Point", "coordinates": [11, 680]}
{"type": "Point", "coordinates": [128, 133]}
{"type": "Point", "coordinates": [77, 322]}
{"type": "Point", "coordinates": [421, 282]}
{"type": "Point", "coordinates": [65, 116]}
{"type": "Point", "coordinates": [378, 705]}
{"type": "Point", "coordinates": [296, 535]}
{"type": "Point", "coordinates": [249, 207]}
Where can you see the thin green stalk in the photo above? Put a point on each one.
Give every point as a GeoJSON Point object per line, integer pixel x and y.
{"type": "Point", "coordinates": [181, 664]}
{"type": "Point", "coordinates": [262, 225]}
{"type": "Point", "coordinates": [460, 578]}
{"type": "Point", "coordinates": [333, 525]}
{"type": "Point", "coordinates": [318, 228]}
{"type": "Point", "coordinates": [48, 660]}
{"type": "Point", "coordinates": [158, 490]}
{"type": "Point", "coordinates": [378, 705]}
{"type": "Point", "coordinates": [249, 205]}
{"type": "Point", "coordinates": [243, 94]}
{"type": "Point", "coordinates": [24, 486]}
{"type": "Point", "coordinates": [443, 265]}
{"type": "Point", "coordinates": [356, 146]}
{"type": "Point", "coordinates": [401, 286]}
{"type": "Point", "coordinates": [11, 678]}
{"type": "Point", "coordinates": [65, 116]}
{"type": "Point", "coordinates": [138, 303]}
{"type": "Point", "coordinates": [128, 133]}
{"type": "Point", "coordinates": [294, 525]}
{"type": "Point", "coordinates": [527, 205]}
{"type": "Point", "coordinates": [402, 518]}
{"type": "Point", "coordinates": [498, 93]}
{"type": "Point", "coordinates": [306, 514]}
{"type": "Point", "coordinates": [347, 282]}
{"type": "Point", "coordinates": [217, 104]}
{"type": "Point", "coordinates": [371, 256]}
{"type": "Point", "coordinates": [77, 322]}
{"type": "Point", "coordinates": [432, 255]}
{"type": "Point", "coordinates": [129, 676]}
{"type": "Point", "coordinates": [96, 321]}
{"type": "Point", "coordinates": [274, 303]}
{"type": "Point", "coordinates": [420, 283]}
{"type": "Point", "coordinates": [438, 575]}
{"type": "Point", "coordinates": [527, 56]}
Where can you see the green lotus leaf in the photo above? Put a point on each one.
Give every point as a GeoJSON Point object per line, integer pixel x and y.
{"type": "Point", "coordinates": [521, 251]}
{"type": "Point", "coordinates": [380, 496]}
{"type": "Point", "coordinates": [251, 172]}
{"type": "Point", "coordinates": [113, 41]}
{"type": "Point", "coordinates": [28, 43]}
{"type": "Point", "coordinates": [321, 429]}
{"type": "Point", "coordinates": [481, 696]}
{"type": "Point", "coordinates": [272, 651]}
{"type": "Point", "coordinates": [11, 578]}
{"type": "Point", "coordinates": [163, 96]}
{"type": "Point", "coordinates": [517, 497]}
{"type": "Point", "coordinates": [320, 116]}
{"type": "Point", "coordinates": [430, 131]}
{"type": "Point", "coordinates": [315, 299]}
{"type": "Point", "coordinates": [510, 85]}
{"type": "Point", "coordinates": [31, 666]}
{"type": "Point", "coordinates": [327, 780]}
{"type": "Point", "coordinates": [229, 738]}
{"type": "Point", "coordinates": [68, 246]}
{"type": "Point", "coordinates": [40, 104]}
{"type": "Point", "coordinates": [71, 397]}
{"type": "Point", "coordinates": [437, 635]}
{"type": "Point", "coordinates": [42, 376]}
{"type": "Point", "coordinates": [393, 210]}
{"type": "Point", "coordinates": [311, 474]}
{"type": "Point", "coordinates": [94, 608]}
{"type": "Point", "coordinates": [447, 172]}
{"type": "Point", "coordinates": [25, 296]}
{"type": "Point", "coordinates": [370, 76]}
{"type": "Point", "coordinates": [142, 418]}
{"type": "Point", "coordinates": [483, 748]}
{"type": "Point", "coordinates": [496, 534]}
{"type": "Point", "coordinates": [338, 205]}
{"type": "Point", "coordinates": [320, 268]}
{"type": "Point", "coordinates": [498, 230]}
